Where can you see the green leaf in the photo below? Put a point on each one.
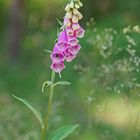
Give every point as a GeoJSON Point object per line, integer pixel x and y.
{"type": "Point", "coordinates": [63, 132]}
{"type": "Point", "coordinates": [55, 41]}
{"type": "Point", "coordinates": [59, 21]}
{"type": "Point", "coordinates": [63, 83]}
{"type": "Point", "coordinates": [34, 110]}
{"type": "Point", "coordinates": [48, 51]}
{"type": "Point", "coordinates": [46, 83]}
{"type": "Point", "coordinates": [62, 28]}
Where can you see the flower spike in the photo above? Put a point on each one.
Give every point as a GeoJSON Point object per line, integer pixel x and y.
{"type": "Point", "coordinates": [67, 47]}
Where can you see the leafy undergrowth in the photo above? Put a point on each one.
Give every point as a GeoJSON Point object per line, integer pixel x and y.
{"type": "Point", "coordinates": [104, 98]}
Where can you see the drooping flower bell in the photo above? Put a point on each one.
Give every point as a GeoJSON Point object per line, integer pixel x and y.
{"type": "Point", "coordinates": [67, 46]}
{"type": "Point", "coordinates": [57, 67]}
{"type": "Point", "coordinates": [57, 56]}
{"type": "Point", "coordinates": [74, 49]}
{"type": "Point", "coordinates": [62, 43]}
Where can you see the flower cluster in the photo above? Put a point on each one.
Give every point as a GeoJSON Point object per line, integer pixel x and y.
{"type": "Point", "coordinates": [67, 46]}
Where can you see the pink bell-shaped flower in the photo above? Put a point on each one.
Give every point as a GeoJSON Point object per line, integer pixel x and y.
{"type": "Point", "coordinates": [62, 41]}
{"type": "Point", "coordinates": [57, 67]}
{"type": "Point", "coordinates": [80, 32]}
{"type": "Point", "coordinates": [69, 31]}
{"type": "Point", "coordinates": [75, 26]}
{"type": "Point", "coordinates": [57, 56]}
{"type": "Point", "coordinates": [72, 40]}
{"type": "Point", "coordinates": [74, 49]}
{"type": "Point", "coordinates": [69, 56]}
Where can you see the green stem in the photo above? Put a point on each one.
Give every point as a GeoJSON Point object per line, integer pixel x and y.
{"type": "Point", "coordinates": [44, 131]}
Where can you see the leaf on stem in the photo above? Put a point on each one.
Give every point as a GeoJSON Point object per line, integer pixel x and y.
{"type": "Point", "coordinates": [34, 110]}
{"type": "Point", "coordinates": [63, 132]}
{"type": "Point", "coordinates": [46, 83]}
{"type": "Point", "coordinates": [59, 22]}
{"type": "Point", "coordinates": [48, 51]}
{"type": "Point", "coordinates": [63, 83]}
{"type": "Point", "coordinates": [55, 41]}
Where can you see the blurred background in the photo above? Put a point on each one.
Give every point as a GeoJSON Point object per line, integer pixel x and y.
{"type": "Point", "coordinates": [104, 97]}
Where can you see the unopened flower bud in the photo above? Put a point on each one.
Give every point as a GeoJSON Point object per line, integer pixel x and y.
{"type": "Point", "coordinates": [67, 8]}
{"type": "Point", "coordinates": [72, 4]}
{"type": "Point", "coordinates": [79, 15]}
{"type": "Point", "coordinates": [80, 4]}
{"type": "Point", "coordinates": [75, 11]}
{"type": "Point", "coordinates": [74, 19]}
{"type": "Point", "coordinates": [69, 15]}
{"type": "Point", "coordinates": [77, 6]}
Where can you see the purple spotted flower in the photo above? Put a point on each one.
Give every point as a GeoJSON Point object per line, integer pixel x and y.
{"type": "Point", "coordinates": [57, 56]}
{"type": "Point", "coordinates": [67, 46]}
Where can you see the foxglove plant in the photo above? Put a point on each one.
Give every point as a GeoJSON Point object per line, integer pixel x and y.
{"type": "Point", "coordinates": [65, 50]}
